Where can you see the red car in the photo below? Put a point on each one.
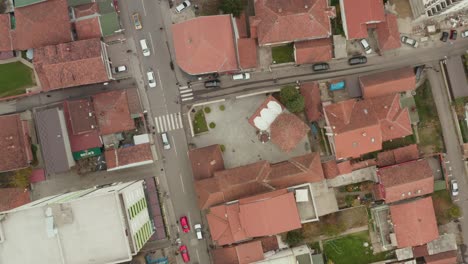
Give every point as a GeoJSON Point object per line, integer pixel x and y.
{"type": "Point", "coordinates": [184, 224]}
{"type": "Point", "coordinates": [184, 253]}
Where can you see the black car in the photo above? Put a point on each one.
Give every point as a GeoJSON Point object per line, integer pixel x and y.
{"type": "Point", "coordinates": [357, 60]}
{"type": "Point", "coordinates": [322, 66]}
{"type": "Point", "coordinates": [444, 36]}
{"type": "Point", "coordinates": [453, 34]}
{"type": "Point", "coordinates": [212, 83]}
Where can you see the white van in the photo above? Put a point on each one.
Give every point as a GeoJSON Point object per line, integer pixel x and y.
{"type": "Point", "coordinates": [198, 231]}
{"type": "Point", "coordinates": [241, 76]}
{"type": "Point", "coordinates": [165, 141]}
{"type": "Point", "coordinates": [144, 48]}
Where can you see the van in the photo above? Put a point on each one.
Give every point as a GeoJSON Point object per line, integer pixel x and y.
{"type": "Point", "coordinates": [144, 48]}
{"type": "Point", "coordinates": [165, 141]}
{"type": "Point", "coordinates": [241, 76]}
{"type": "Point", "coordinates": [198, 231]}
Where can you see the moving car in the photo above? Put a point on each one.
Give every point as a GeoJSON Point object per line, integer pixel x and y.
{"type": "Point", "coordinates": [137, 21]}
{"type": "Point", "coordinates": [322, 66]}
{"type": "Point", "coordinates": [213, 83]}
{"type": "Point", "coordinates": [182, 6]}
{"type": "Point", "coordinates": [464, 34]}
{"type": "Point", "coordinates": [121, 68]}
{"type": "Point", "coordinates": [357, 60]}
{"type": "Point", "coordinates": [198, 231]}
{"type": "Point", "coordinates": [241, 76]}
{"type": "Point", "coordinates": [365, 45]}
{"type": "Point", "coordinates": [409, 41]}
{"type": "Point", "coordinates": [454, 187]}
{"type": "Point", "coordinates": [151, 80]}
{"type": "Point", "coordinates": [453, 34]}
{"type": "Point", "coordinates": [184, 224]}
{"type": "Point", "coordinates": [165, 141]}
{"type": "Point", "coordinates": [144, 47]}
{"type": "Point", "coordinates": [184, 253]}
{"type": "Point", "coordinates": [444, 36]}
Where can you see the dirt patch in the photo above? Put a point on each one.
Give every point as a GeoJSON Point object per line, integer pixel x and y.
{"type": "Point", "coordinates": [402, 8]}
{"type": "Point", "coordinates": [208, 7]}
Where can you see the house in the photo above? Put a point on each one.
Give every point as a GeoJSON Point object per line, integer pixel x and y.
{"type": "Point", "coordinates": [15, 142]}
{"type": "Point", "coordinates": [398, 155]}
{"type": "Point", "coordinates": [244, 253]}
{"type": "Point", "coordinates": [113, 112]}
{"type": "Point", "coordinates": [340, 174]}
{"type": "Point", "coordinates": [72, 64]}
{"type": "Point", "coordinates": [257, 216]}
{"type": "Point", "coordinates": [312, 51]}
{"type": "Point", "coordinates": [360, 15]}
{"type": "Point", "coordinates": [404, 181]}
{"type": "Point", "coordinates": [13, 197]}
{"type": "Point", "coordinates": [103, 225]}
{"type": "Point", "coordinates": [414, 222]}
{"type": "Point", "coordinates": [356, 127]}
{"type": "Point", "coordinates": [449, 257]}
{"type": "Point", "coordinates": [312, 101]}
{"type": "Point", "coordinates": [296, 255]}
{"type": "Point", "coordinates": [387, 82]}
{"type": "Point", "coordinates": [206, 161]}
{"type": "Point", "coordinates": [128, 156]}
{"type": "Point", "coordinates": [424, 9]}
{"type": "Point", "coordinates": [388, 35]}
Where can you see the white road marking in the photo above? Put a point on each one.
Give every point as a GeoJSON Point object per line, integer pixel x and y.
{"type": "Point", "coordinates": [185, 91]}
{"type": "Point", "coordinates": [183, 87]}
{"type": "Point", "coordinates": [159, 78]}
{"type": "Point", "coordinates": [198, 255]}
{"type": "Point", "coordinates": [164, 122]}
{"type": "Point", "coordinates": [151, 40]}
{"type": "Point", "coordinates": [186, 95]}
{"type": "Point", "coordinates": [157, 124]}
{"type": "Point", "coordinates": [186, 99]}
{"type": "Point", "coordinates": [172, 121]}
{"type": "Point", "coordinates": [169, 128]}
{"type": "Point", "coordinates": [175, 122]}
{"type": "Point", "coordinates": [168, 122]}
{"type": "Point", "coordinates": [182, 182]}
{"type": "Point", "coordinates": [143, 4]}
{"type": "Point", "coordinates": [180, 120]}
{"type": "Point", "coordinates": [173, 144]}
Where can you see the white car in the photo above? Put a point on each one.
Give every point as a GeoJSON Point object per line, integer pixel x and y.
{"type": "Point", "coordinates": [464, 34]}
{"type": "Point", "coordinates": [365, 45]}
{"type": "Point", "coordinates": [151, 79]}
{"type": "Point", "coordinates": [198, 231]}
{"type": "Point", "coordinates": [409, 41]}
{"type": "Point", "coordinates": [454, 187]}
{"type": "Point", "coordinates": [241, 76]}
{"type": "Point", "coordinates": [121, 68]}
{"type": "Point", "coordinates": [182, 6]}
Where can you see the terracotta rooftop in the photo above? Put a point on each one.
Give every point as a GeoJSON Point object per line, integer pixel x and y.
{"type": "Point", "coordinates": [241, 254]}
{"type": "Point", "coordinates": [134, 104]}
{"type": "Point", "coordinates": [449, 257]}
{"type": "Point", "coordinates": [6, 43]}
{"type": "Point", "coordinates": [70, 64]}
{"type": "Point", "coordinates": [277, 21]}
{"type": "Point", "coordinates": [206, 161]}
{"type": "Point", "coordinates": [247, 48]}
{"type": "Point", "coordinates": [313, 104]}
{"type": "Point", "coordinates": [388, 36]}
{"type": "Point", "coordinates": [263, 215]}
{"type": "Point", "coordinates": [15, 143]}
{"type": "Point", "coordinates": [88, 28]}
{"type": "Point", "coordinates": [360, 126]}
{"type": "Point", "coordinates": [420, 251]}
{"type": "Point", "coordinates": [287, 131]}
{"type": "Point", "coordinates": [332, 169]}
{"type": "Point", "coordinates": [269, 243]}
{"type": "Point", "coordinates": [122, 157]}
{"type": "Point", "coordinates": [414, 222]}
{"type": "Point", "coordinates": [241, 23]}
{"type": "Point", "coordinates": [313, 51]}
{"type": "Point", "coordinates": [406, 180]}
{"type": "Point", "coordinates": [13, 197]}
{"type": "Point", "coordinates": [357, 14]}
{"type": "Point", "coordinates": [388, 82]}
{"type": "Point", "coordinates": [86, 10]}
{"type": "Point", "coordinates": [256, 178]}
{"type": "Point", "coordinates": [112, 112]}
{"type": "Point", "coordinates": [399, 155]}
{"type": "Point", "coordinates": [205, 45]}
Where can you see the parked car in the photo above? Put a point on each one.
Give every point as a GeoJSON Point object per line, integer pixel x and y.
{"type": "Point", "coordinates": [213, 83]}
{"type": "Point", "coordinates": [144, 47]}
{"type": "Point", "coordinates": [184, 224]}
{"type": "Point", "coordinates": [365, 45]}
{"type": "Point", "coordinates": [322, 66]}
{"type": "Point", "coordinates": [151, 79]}
{"type": "Point", "coordinates": [182, 6]}
{"type": "Point", "coordinates": [120, 69]}
{"type": "Point", "coordinates": [184, 253]}
{"type": "Point", "coordinates": [444, 36]}
{"type": "Point", "coordinates": [137, 21]}
{"type": "Point", "coordinates": [165, 141]}
{"type": "Point", "coordinates": [357, 60]}
{"type": "Point", "coordinates": [453, 34]}
{"type": "Point", "coordinates": [464, 34]}
{"type": "Point", "coordinates": [198, 231]}
{"type": "Point", "coordinates": [409, 41]}
{"type": "Point", "coordinates": [241, 76]}
{"type": "Point", "coordinates": [454, 187]}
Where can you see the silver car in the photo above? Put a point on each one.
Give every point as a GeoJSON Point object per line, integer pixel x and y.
{"type": "Point", "coordinates": [182, 6]}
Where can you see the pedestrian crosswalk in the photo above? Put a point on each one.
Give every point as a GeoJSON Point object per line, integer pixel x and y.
{"type": "Point", "coordinates": [168, 122]}
{"type": "Point", "coordinates": [186, 93]}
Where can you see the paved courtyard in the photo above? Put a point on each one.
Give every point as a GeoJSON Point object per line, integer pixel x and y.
{"type": "Point", "coordinates": [239, 137]}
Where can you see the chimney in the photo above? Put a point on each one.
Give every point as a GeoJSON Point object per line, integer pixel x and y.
{"type": "Point", "coordinates": [365, 111]}
{"type": "Point", "coordinates": [364, 134]}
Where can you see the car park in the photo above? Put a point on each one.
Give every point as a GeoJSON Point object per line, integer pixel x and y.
{"type": "Point", "coordinates": [322, 66]}
{"type": "Point", "coordinates": [120, 69]}
{"type": "Point", "coordinates": [365, 45]}
{"type": "Point", "coordinates": [357, 60]}
{"type": "Point", "coordinates": [444, 36]}
{"type": "Point", "coordinates": [184, 224]}
{"type": "Point", "coordinates": [212, 83]}
{"type": "Point", "coordinates": [144, 47]}
{"type": "Point", "coordinates": [454, 187]}
{"type": "Point", "coordinates": [241, 76]}
{"type": "Point", "coordinates": [151, 79]}
{"type": "Point", "coordinates": [453, 34]}
{"type": "Point", "coordinates": [183, 6]}
{"type": "Point", "coordinates": [464, 34]}
{"type": "Point", "coordinates": [137, 21]}
{"type": "Point", "coordinates": [409, 41]}
{"type": "Point", "coordinates": [198, 231]}
{"type": "Point", "coordinates": [184, 253]}
{"type": "Point", "coordinates": [165, 141]}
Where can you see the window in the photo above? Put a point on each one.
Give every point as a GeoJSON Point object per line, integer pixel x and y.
{"type": "Point", "coordinates": [429, 12]}
{"type": "Point", "coordinates": [443, 4]}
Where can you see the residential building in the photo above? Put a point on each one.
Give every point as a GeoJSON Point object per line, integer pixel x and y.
{"type": "Point", "coordinates": [15, 142]}
{"type": "Point", "coordinates": [101, 224]}
{"type": "Point", "coordinates": [94, 18]}
{"type": "Point", "coordinates": [342, 173]}
{"type": "Point", "coordinates": [113, 112]}
{"type": "Point", "coordinates": [127, 157]}
{"type": "Point", "coordinates": [206, 161]}
{"type": "Point", "coordinates": [356, 127]}
{"type": "Point", "coordinates": [398, 155]}
{"type": "Point", "coordinates": [296, 255]}
{"type": "Point", "coordinates": [388, 82]}
{"type": "Point", "coordinates": [358, 16]}
{"type": "Point", "coordinates": [388, 35]}
{"type": "Point", "coordinates": [13, 197]}
{"type": "Point", "coordinates": [312, 101]}
{"type": "Point", "coordinates": [442, 250]}
{"type": "Point", "coordinates": [449, 257]}
{"type": "Point", "coordinates": [423, 9]}
{"type": "Point", "coordinates": [244, 253]}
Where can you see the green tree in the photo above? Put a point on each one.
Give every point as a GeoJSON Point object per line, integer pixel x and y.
{"type": "Point", "coordinates": [233, 7]}
{"type": "Point", "coordinates": [292, 99]}
{"type": "Point", "coordinates": [294, 238]}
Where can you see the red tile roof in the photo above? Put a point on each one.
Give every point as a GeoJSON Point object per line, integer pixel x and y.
{"type": "Point", "coordinates": [13, 197]}
{"type": "Point", "coordinates": [247, 48]}
{"type": "Point", "coordinates": [15, 143]}
{"type": "Point", "coordinates": [287, 131]}
{"type": "Point", "coordinates": [70, 64]}
{"type": "Point", "coordinates": [358, 14]}
{"type": "Point", "coordinates": [360, 126]}
{"type": "Point", "coordinates": [363, 164]}
{"type": "Point", "coordinates": [414, 222]}
{"type": "Point", "coordinates": [206, 161]}
{"type": "Point", "coordinates": [241, 23]}
{"type": "Point", "coordinates": [399, 155]}
{"type": "Point", "coordinates": [313, 104]}
{"type": "Point", "coordinates": [388, 35]}
{"type": "Point", "coordinates": [287, 21]}
{"type": "Point", "coordinates": [313, 51]}
{"type": "Point", "coordinates": [420, 251]}
{"type": "Point", "coordinates": [263, 215]}
{"type": "Point", "coordinates": [86, 10]}
{"type": "Point", "coordinates": [88, 28]}
{"type": "Point", "coordinates": [269, 243]}
{"type": "Point", "coordinates": [205, 45]}
{"type": "Point", "coordinates": [387, 82]}
{"type": "Point", "coordinates": [128, 155]}
{"type": "Point", "coordinates": [406, 180]}
{"type": "Point", "coordinates": [6, 43]}
{"type": "Point", "coordinates": [112, 112]}
{"type": "Point", "coordinates": [332, 169]}
{"type": "Point", "coordinates": [255, 178]}
{"type": "Point", "coordinates": [449, 257]}
{"type": "Point", "coordinates": [37, 175]}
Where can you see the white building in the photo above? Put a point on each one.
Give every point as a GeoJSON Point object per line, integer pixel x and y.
{"type": "Point", "coordinates": [101, 225]}
{"type": "Point", "coordinates": [429, 8]}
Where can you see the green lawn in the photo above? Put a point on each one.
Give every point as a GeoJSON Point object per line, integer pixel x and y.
{"type": "Point", "coordinates": [15, 77]}
{"type": "Point", "coordinates": [442, 206]}
{"type": "Point", "coordinates": [350, 250]}
{"type": "Point", "coordinates": [199, 122]}
{"type": "Point", "coordinates": [283, 54]}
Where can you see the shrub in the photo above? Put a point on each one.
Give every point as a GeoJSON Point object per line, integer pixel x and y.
{"type": "Point", "coordinates": [212, 125]}
{"type": "Point", "coordinates": [223, 148]}
{"type": "Point", "coordinates": [21, 178]}
{"type": "Point", "coordinates": [222, 107]}
{"type": "Point", "coordinates": [294, 238]}
{"type": "Point", "coordinates": [233, 7]}
{"type": "Point", "coordinates": [207, 110]}
{"type": "Point", "coordinates": [454, 212]}
{"type": "Point", "coordinates": [292, 99]}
